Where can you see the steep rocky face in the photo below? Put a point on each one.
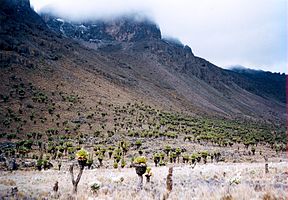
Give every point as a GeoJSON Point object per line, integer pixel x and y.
{"type": "Point", "coordinates": [16, 4]}
{"type": "Point", "coordinates": [20, 11]}
{"type": "Point", "coordinates": [126, 29]}
{"type": "Point", "coordinates": [18, 23]}
{"type": "Point", "coordinates": [263, 83]}
{"type": "Point", "coordinates": [145, 36]}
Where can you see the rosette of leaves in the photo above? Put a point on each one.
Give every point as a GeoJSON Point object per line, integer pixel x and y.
{"type": "Point", "coordinates": [140, 164]}
{"type": "Point", "coordinates": [217, 156]}
{"type": "Point", "coordinates": [71, 150]}
{"type": "Point", "coordinates": [185, 158]}
{"type": "Point", "coordinates": [204, 155]}
{"type": "Point", "coordinates": [253, 149]}
{"type": "Point", "coordinates": [95, 187]}
{"type": "Point", "coordinates": [115, 165]}
{"type": "Point", "coordinates": [39, 164]}
{"type": "Point", "coordinates": [162, 155]}
{"type": "Point", "coordinates": [194, 157]}
{"type": "Point", "coordinates": [172, 157]}
{"type": "Point", "coordinates": [100, 158]}
{"type": "Point", "coordinates": [61, 149]}
{"type": "Point", "coordinates": [162, 163]}
{"type": "Point", "coordinates": [82, 157]}
{"type": "Point", "coordinates": [123, 163]}
{"type": "Point", "coordinates": [103, 151]}
{"type": "Point", "coordinates": [167, 149]}
{"type": "Point", "coordinates": [148, 174]}
{"type": "Point", "coordinates": [178, 153]}
{"type": "Point", "coordinates": [89, 162]}
{"type": "Point", "coordinates": [45, 164]}
{"type": "Point", "coordinates": [96, 148]}
{"type": "Point", "coordinates": [156, 159]}
{"type": "Point", "coordinates": [124, 146]}
{"type": "Point", "coordinates": [110, 152]}
{"type": "Point", "coordinates": [140, 160]}
{"type": "Point", "coordinates": [111, 148]}
{"type": "Point", "coordinates": [148, 170]}
{"type": "Point", "coordinates": [138, 143]}
{"type": "Point", "coordinates": [117, 155]}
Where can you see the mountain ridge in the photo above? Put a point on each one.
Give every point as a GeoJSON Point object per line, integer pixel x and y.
{"type": "Point", "coordinates": [138, 65]}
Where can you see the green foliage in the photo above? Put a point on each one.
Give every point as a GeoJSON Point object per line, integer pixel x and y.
{"type": "Point", "coordinates": [40, 97]}
{"type": "Point", "coordinates": [89, 161]}
{"type": "Point", "coordinates": [204, 154]}
{"type": "Point", "coordinates": [71, 150]}
{"type": "Point", "coordinates": [123, 163]}
{"type": "Point", "coordinates": [140, 159]}
{"type": "Point", "coordinates": [115, 165]}
{"type": "Point", "coordinates": [82, 154]}
{"type": "Point", "coordinates": [148, 170]}
{"type": "Point", "coordinates": [39, 163]}
{"type": "Point", "coordinates": [194, 157]}
{"type": "Point", "coordinates": [11, 136]}
{"type": "Point", "coordinates": [95, 187]}
{"type": "Point", "coordinates": [178, 151]}
{"type": "Point", "coordinates": [138, 143]}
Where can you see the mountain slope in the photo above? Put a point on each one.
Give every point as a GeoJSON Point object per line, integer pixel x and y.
{"type": "Point", "coordinates": [195, 81]}
{"type": "Point", "coordinates": [122, 61]}
{"type": "Point", "coordinates": [264, 83]}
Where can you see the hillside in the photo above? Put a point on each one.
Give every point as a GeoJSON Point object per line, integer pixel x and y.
{"type": "Point", "coordinates": [118, 89]}
{"type": "Point", "coordinates": [171, 69]}
{"type": "Point", "coordinates": [265, 83]}
{"type": "Point", "coordinates": [50, 67]}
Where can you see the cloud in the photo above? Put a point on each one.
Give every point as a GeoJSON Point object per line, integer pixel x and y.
{"type": "Point", "coordinates": [225, 32]}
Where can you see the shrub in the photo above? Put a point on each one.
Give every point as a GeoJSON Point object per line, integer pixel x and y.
{"type": "Point", "coordinates": [148, 170]}
{"type": "Point", "coordinates": [95, 187]}
{"type": "Point", "coordinates": [123, 163]}
{"type": "Point", "coordinates": [253, 149]}
{"type": "Point", "coordinates": [71, 150]}
{"type": "Point", "coordinates": [194, 157]}
{"type": "Point", "coordinates": [138, 143]}
{"type": "Point", "coordinates": [82, 154]}
{"type": "Point", "coordinates": [39, 164]}
{"type": "Point", "coordinates": [11, 136]}
{"type": "Point", "coordinates": [140, 159]}
{"type": "Point", "coordinates": [115, 165]}
{"type": "Point", "coordinates": [204, 155]}
{"type": "Point", "coordinates": [185, 158]}
{"type": "Point", "coordinates": [167, 149]}
{"type": "Point", "coordinates": [156, 158]}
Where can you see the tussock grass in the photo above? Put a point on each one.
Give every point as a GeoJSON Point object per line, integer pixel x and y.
{"type": "Point", "coordinates": [241, 181]}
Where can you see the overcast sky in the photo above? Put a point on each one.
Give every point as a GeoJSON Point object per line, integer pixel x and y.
{"type": "Point", "coordinates": [252, 33]}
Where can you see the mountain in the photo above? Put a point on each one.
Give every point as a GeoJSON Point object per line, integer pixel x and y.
{"type": "Point", "coordinates": [264, 83]}
{"type": "Point", "coordinates": [50, 63]}
{"type": "Point", "coordinates": [129, 36]}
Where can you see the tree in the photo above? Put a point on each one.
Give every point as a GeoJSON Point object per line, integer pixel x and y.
{"type": "Point", "coordinates": [82, 156]}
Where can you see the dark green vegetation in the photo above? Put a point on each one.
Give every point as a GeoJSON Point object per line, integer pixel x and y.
{"type": "Point", "coordinates": [135, 95]}
{"type": "Point", "coordinates": [36, 122]}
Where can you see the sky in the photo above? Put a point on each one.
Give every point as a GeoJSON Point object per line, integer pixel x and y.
{"type": "Point", "coordinates": [251, 33]}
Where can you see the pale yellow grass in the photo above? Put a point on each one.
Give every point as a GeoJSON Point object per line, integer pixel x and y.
{"type": "Point", "coordinates": [244, 181]}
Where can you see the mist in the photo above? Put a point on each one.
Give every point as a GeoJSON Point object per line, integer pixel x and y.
{"type": "Point", "coordinates": [225, 32]}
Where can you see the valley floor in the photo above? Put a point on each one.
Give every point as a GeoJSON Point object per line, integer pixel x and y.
{"type": "Point", "coordinates": [211, 181]}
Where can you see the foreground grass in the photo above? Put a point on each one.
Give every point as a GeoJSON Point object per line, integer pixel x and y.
{"type": "Point", "coordinates": [211, 181]}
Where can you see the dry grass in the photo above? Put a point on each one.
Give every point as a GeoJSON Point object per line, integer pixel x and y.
{"type": "Point", "coordinates": [7, 182]}
{"type": "Point", "coordinates": [202, 182]}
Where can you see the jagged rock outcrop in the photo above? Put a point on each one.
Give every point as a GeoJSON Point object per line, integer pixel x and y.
{"type": "Point", "coordinates": [125, 29]}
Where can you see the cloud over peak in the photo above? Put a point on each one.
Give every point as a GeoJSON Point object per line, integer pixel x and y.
{"type": "Point", "coordinates": [250, 33]}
